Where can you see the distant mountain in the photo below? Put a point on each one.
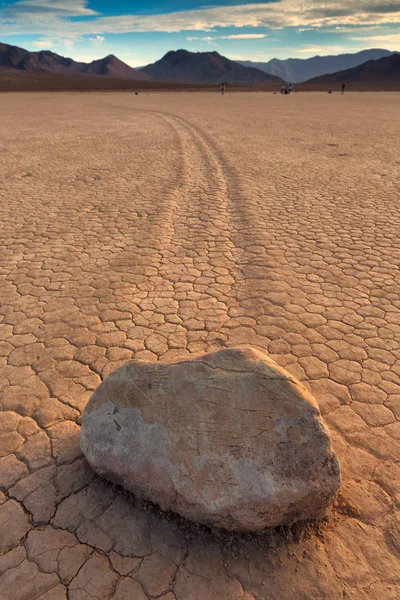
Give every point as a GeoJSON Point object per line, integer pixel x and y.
{"type": "Point", "coordinates": [298, 70]}
{"type": "Point", "coordinates": [13, 57]}
{"type": "Point", "coordinates": [206, 67]}
{"type": "Point", "coordinates": [384, 72]}
{"type": "Point", "coordinates": [111, 66]}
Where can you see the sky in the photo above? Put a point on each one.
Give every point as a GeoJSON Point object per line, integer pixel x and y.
{"type": "Point", "coordinates": [142, 31]}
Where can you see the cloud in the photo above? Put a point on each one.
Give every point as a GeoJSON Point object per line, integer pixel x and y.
{"type": "Point", "coordinates": [324, 50]}
{"type": "Point", "coordinates": [99, 39]}
{"type": "Point", "coordinates": [46, 43]}
{"type": "Point", "coordinates": [200, 38]}
{"type": "Point", "coordinates": [238, 36]}
{"type": "Point", "coordinates": [58, 8]}
{"type": "Point", "coordinates": [390, 41]}
{"type": "Point", "coordinates": [53, 17]}
{"type": "Point", "coordinates": [43, 44]}
{"type": "Point", "coordinates": [243, 36]}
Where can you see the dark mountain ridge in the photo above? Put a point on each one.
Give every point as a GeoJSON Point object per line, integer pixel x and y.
{"type": "Point", "coordinates": [205, 67]}
{"type": "Point", "coordinates": [13, 57]}
{"type": "Point", "coordinates": [382, 72]}
{"type": "Point", "coordinates": [298, 70]}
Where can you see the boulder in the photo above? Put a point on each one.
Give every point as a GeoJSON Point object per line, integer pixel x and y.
{"type": "Point", "coordinates": [227, 439]}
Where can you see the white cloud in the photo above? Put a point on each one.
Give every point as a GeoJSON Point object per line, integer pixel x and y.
{"type": "Point", "coordinates": [193, 38]}
{"type": "Point", "coordinates": [243, 36]}
{"type": "Point", "coordinates": [238, 36]}
{"type": "Point", "coordinates": [325, 50]}
{"type": "Point", "coordinates": [389, 41]}
{"type": "Point", "coordinates": [43, 44]}
{"type": "Point", "coordinates": [46, 43]}
{"type": "Point", "coordinates": [354, 28]}
{"type": "Point", "coordinates": [52, 17]}
{"type": "Point", "coordinates": [61, 8]}
{"type": "Point", "coordinates": [99, 39]}
{"type": "Point", "coordinates": [311, 51]}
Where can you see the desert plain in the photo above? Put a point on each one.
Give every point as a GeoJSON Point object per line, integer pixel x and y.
{"type": "Point", "coordinates": [168, 224]}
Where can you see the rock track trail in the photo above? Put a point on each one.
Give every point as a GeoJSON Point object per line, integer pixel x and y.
{"type": "Point", "coordinates": [166, 224]}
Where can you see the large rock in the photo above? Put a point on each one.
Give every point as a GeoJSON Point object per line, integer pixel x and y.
{"type": "Point", "coordinates": [227, 438]}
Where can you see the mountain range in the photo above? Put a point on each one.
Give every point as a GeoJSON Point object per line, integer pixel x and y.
{"type": "Point", "coordinates": [22, 69]}
{"type": "Point", "coordinates": [13, 57]}
{"type": "Point", "coordinates": [206, 67]}
{"type": "Point", "coordinates": [298, 70]}
{"type": "Point", "coordinates": [178, 66]}
{"type": "Point", "coordinates": [373, 73]}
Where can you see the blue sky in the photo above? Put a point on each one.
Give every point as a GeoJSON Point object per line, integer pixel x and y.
{"type": "Point", "coordinates": [142, 31]}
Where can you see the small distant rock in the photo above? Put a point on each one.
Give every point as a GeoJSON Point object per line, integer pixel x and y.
{"type": "Point", "coordinates": [227, 439]}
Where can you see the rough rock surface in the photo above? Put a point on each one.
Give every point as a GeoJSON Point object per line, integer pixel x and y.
{"type": "Point", "coordinates": [227, 438]}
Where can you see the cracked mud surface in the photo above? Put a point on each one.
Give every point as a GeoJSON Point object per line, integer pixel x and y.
{"type": "Point", "coordinates": [166, 224]}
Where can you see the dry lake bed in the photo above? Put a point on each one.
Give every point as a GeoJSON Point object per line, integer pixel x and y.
{"type": "Point", "coordinates": [160, 225]}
